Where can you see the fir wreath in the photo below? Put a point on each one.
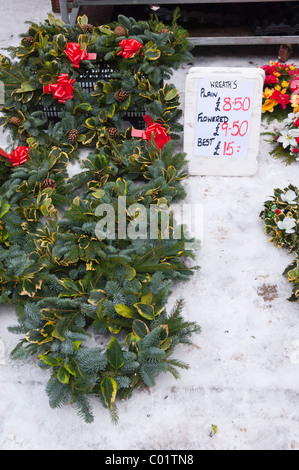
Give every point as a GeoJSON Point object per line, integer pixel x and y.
{"type": "Point", "coordinates": [125, 84]}
{"type": "Point", "coordinates": [65, 281]}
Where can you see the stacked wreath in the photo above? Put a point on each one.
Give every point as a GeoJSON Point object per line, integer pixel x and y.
{"type": "Point", "coordinates": [281, 222]}
{"type": "Point", "coordinates": [65, 280]}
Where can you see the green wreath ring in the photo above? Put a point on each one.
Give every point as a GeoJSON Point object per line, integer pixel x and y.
{"type": "Point", "coordinates": [105, 92]}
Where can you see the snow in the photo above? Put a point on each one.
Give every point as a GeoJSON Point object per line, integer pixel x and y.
{"type": "Point", "coordinates": [244, 369]}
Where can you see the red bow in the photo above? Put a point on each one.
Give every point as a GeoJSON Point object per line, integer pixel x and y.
{"type": "Point", "coordinates": [18, 156]}
{"type": "Point", "coordinates": [129, 48]}
{"type": "Point", "coordinates": [153, 129]}
{"type": "Point", "coordinates": [63, 90]}
{"type": "Point", "coordinates": [295, 86]}
{"type": "Point", "coordinates": [75, 55]}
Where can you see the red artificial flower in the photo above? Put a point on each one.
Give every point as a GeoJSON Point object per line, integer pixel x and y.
{"type": "Point", "coordinates": [281, 98]}
{"type": "Point", "coordinates": [270, 79]}
{"type": "Point", "coordinates": [277, 211]}
{"type": "Point", "coordinates": [129, 48]}
{"type": "Point", "coordinates": [296, 150]}
{"type": "Point", "coordinates": [19, 156]}
{"type": "Point", "coordinates": [293, 72]}
{"type": "Point", "coordinates": [269, 69]}
{"type": "Point", "coordinates": [294, 85]}
{"type": "Point", "coordinates": [76, 55]}
{"type": "Point", "coordinates": [297, 140]}
{"type": "Point", "coordinates": [160, 136]}
{"type": "Point", "coordinates": [63, 90]}
{"type": "Point", "coordinates": [296, 123]}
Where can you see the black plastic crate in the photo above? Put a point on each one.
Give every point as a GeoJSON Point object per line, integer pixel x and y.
{"type": "Point", "coordinates": [87, 81]}
{"type": "Point", "coordinates": [101, 72]}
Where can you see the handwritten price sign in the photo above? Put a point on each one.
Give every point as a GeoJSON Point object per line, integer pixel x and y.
{"type": "Point", "coordinates": [225, 108]}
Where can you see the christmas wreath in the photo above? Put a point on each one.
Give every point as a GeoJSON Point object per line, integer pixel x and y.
{"type": "Point", "coordinates": [281, 223]}
{"type": "Point", "coordinates": [91, 303]}
{"type": "Point", "coordinates": [82, 84]}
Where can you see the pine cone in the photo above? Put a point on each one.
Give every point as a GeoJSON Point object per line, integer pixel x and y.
{"type": "Point", "coordinates": [164, 30]}
{"type": "Point", "coordinates": [16, 121]}
{"type": "Point", "coordinates": [29, 40]}
{"type": "Point", "coordinates": [88, 28]}
{"type": "Point", "coordinates": [48, 183]}
{"type": "Point", "coordinates": [73, 135]}
{"type": "Point", "coordinates": [121, 95]}
{"type": "Point", "coordinates": [120, 31]}
{"type": "Point", "coordinates": [112, 131]}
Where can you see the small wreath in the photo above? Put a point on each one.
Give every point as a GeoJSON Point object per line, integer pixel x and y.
{"type": "Point", "coordinates": [281, 223]}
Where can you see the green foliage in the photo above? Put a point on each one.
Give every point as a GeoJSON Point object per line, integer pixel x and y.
{"type": "Point", "coordinates": [292, 275]}
{"type": "Point", "coordinates": [66, 282]}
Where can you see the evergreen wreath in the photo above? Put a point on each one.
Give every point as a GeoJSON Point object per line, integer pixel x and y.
{"type": "Point", "coordinates": [50, 94]}
{"type": "Point", "coordinates": [66, 282]}
{"type": "Point", "coordinates": [281, 223]}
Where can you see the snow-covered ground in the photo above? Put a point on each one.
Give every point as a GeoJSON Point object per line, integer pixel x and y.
{"type": "Point", "coordinates": [244, 368]}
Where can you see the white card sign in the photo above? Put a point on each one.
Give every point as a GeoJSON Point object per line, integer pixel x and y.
{"type": "Point", "coordinates": [222, 120]}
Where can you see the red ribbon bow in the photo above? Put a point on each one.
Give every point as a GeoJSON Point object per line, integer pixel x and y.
{"type": "Point", "coordinates": [153, 129]}
{"type": "Point", "coordinates": [18, 156]}
{"type": "Point", "coordinates": [76, 55]}
{"type": "Point", "coordinates": [62, 90]}
{"type": "Point", "coordinates": [129, 48]}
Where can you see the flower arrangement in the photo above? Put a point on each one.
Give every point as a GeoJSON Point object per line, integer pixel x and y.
{"type": "Point", "coordinates": [286, 139]}
{"type": "Point", "coordinates": [280, 96]}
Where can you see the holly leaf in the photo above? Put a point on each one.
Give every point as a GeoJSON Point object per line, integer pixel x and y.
{"type": "Point", "coordinates": [171, 94]}
{"type": "Point", "coordinates": [146, 311]}
{"type": "Point", "coordinates": [83, 107]}
{"type": "Point", "coordinates": [114, 354]}
{"type": "Point", "coordinates": [51, 361]}
{"type": "Point", "coordinates": [124, 311]}
{"type": "Point", "coordinates": [140, 328]}
{"type": "Point", "coordinates": [152, 54]}
{"type": "Point", "coordinates": [109, 389]}
{"type": "Point", "coordinates": [63, 375]}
